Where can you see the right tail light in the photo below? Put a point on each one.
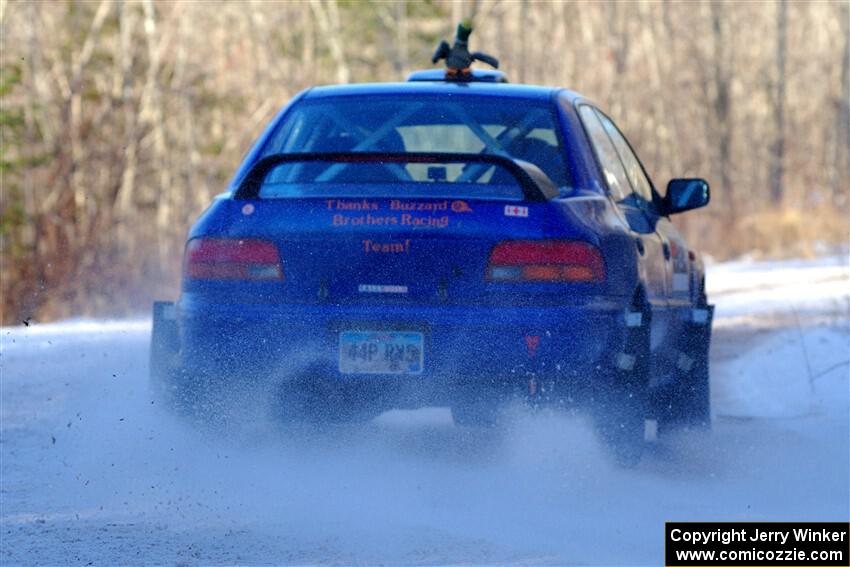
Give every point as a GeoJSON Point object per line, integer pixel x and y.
{"type": "Point", "coordinates": [546, 261]}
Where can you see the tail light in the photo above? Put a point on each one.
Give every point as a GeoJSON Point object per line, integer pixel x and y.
{"type": "Point", "coordinates": [232, 259]}
{"type": "Point", "coordinates": [546, 261]}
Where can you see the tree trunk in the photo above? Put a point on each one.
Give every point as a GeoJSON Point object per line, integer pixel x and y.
{"type": "Point", "coordinates": [723, 107]}
{"type": "Point", "coordinates": [777, 165]}
{"type": "Point", "coordinates": [842, 174]}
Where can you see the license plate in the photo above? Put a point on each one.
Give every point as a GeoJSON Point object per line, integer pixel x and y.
{"type": "Point", "coordinates": [380, 352]}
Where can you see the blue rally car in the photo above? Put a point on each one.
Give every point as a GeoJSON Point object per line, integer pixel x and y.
{"type": "Point", "coordinates": [444, 242]}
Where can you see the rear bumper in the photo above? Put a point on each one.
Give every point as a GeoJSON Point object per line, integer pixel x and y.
{"type": "Point", "coordinates": [463, 346]}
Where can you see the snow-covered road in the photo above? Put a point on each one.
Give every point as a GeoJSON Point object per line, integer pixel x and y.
{"type": "Point", "coordinates": [93, 472]}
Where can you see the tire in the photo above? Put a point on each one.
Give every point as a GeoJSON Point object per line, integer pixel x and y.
{"type": "Point", "coordinates": [621, 408]}
{"type": "Point", "coordinates": [687, 404]}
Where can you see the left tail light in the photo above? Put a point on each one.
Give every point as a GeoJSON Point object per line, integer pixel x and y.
{"type": "Point", "coordinates": [232, 259]}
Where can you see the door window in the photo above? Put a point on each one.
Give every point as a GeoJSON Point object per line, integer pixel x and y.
{"type": "Point", "coordinates": [606, 153]}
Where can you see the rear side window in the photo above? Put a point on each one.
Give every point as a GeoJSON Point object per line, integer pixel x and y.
{"type": "Point", "coordinates": [633, 168]}
{"type": "Point", "coordinates": [609, 160]}
{"type": "Point", "coordinates": [526, 130]}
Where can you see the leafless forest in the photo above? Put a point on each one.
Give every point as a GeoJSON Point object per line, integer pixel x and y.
{"type": "Point", "coordinates": [121, 119]}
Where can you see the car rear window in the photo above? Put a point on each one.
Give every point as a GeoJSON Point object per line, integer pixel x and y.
{"type": "Point", "coordinates": [525, 130]}
{"type": "Point", "coordinates": [455, 178]}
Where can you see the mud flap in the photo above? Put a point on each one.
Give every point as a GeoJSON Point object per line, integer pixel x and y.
{"type": "Point", "coordinates": [620, 411]}
{"type": "Point", "coordinates": [687, 403]}
{"type": "Point", "coordinates": [164, 348]}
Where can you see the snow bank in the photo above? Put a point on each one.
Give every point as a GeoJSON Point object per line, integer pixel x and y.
{"type": "Point", "coordinates": [795, 315]}
{"type": "Point", "coordinates": [791, 287]}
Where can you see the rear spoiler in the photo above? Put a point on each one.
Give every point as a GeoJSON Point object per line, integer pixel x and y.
{"type": "Point", "coordinates": [536, 186]}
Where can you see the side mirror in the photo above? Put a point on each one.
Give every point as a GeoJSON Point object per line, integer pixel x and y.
{"type": "Point", "coordinates": [684, 195]}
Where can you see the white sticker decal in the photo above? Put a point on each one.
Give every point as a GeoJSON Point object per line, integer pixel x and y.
{"type": "Point", "coordinates": [699, 315]}
{"type": "Point", "coordinates": [373, 288]}
{"type": "Point", "coordinates": [516, 211]}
